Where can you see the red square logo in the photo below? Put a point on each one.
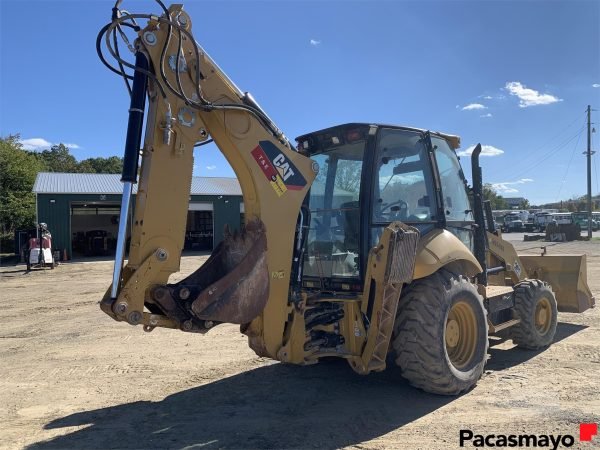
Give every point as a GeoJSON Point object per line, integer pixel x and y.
{"type": "Point", "coordinates": [587, 431]}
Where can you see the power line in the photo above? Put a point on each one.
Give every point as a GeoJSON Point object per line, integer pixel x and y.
{"type": "Point", "coordinates": [549, 154]}
{"type": "Point", "coordinates": [532, 154]}
{"type": "Point", "coordinates": [562, 183]}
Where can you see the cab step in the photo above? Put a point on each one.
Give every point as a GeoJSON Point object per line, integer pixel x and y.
{"type": "Point", "coordinates": [502, 326]}
{"type": "Point", "coordinates": [497, 291]}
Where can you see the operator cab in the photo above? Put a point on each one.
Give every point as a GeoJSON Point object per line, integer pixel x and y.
{"type": "Point", "coordinates": [369, 176]}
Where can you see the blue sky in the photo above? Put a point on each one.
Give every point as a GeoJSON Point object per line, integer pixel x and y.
{"type": "Point", "coordinates": [515, 76]}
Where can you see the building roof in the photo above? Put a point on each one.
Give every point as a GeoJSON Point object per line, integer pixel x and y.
{"type": "Point", "coordinates": [514, 201]}
{"type": "Point", "coordinates": [100, 183]}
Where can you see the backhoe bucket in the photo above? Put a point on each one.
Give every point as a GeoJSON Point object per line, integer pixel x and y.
{"type": "Point", "coordinates": [239, 275]}
{"type": "Point", "coordinates": [567, 274]}
{"type": "Point", "coordinates": [232, 286]}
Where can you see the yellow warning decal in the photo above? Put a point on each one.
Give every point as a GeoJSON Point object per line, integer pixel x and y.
{"type": "Point", "coordinates": [278, 186]}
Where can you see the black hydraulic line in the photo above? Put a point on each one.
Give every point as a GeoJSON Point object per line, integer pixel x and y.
{"type": "Point", "coordinates": [480, 236]}
{"type": "Point", "coordinates": [299, 245]}
{"type": "Point", "coordinates": [491, 225]}
{"type": "Point", "coordinates": [200, 144]}
{"type": "Point", "coordinates": [101, 56]}
{"type": "Point", "coordinates": [121, 67]}
{"type": "Point", "coordinates": [136, 120]}
{"type": "Point", "coordinates": [495, 270]}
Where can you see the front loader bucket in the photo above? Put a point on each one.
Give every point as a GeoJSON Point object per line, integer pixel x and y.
{"type": "Point", "coordinates": [567, 274]}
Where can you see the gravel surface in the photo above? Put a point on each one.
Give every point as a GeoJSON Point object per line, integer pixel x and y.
{"type": "Point", "coordinates": [71, 377]}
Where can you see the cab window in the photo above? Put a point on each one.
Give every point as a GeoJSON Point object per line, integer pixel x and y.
{"type": "Point", "coordinates": [403, 187]}
{"type": "Point", "coordinates": [457, 208]}
{"type": "Point", "coordinates": [334, 235]}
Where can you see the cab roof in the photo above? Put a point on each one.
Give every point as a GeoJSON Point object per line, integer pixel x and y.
{"type": "Point", "coordinates": [453, 140]}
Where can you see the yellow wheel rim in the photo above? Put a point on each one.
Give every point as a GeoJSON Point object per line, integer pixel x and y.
{"type": "Point", "coordinates": [461, 334]}
{"type": "Point", "coordinates": [543, 316]}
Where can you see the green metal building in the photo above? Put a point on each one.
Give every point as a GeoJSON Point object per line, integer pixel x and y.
{"type": "Point", "coordinates": [82, 211]}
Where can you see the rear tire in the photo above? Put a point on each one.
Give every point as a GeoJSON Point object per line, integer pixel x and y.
{"type": "Point", "coordinates": [441, 334]}
{"type": "Point", "coordinates": [535, 305]}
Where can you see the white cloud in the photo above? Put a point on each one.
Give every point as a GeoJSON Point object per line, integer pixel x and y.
{"type": "Point", "coordinates": [529, 97]}
{"type": "Point", "coordinates": [472, 106]}
{"type": "Point", "coordinates": [35, 144]}
{"type": "Point", "coordinates": [596, 85]}
{"type": "Point", "coordinates": [314, 42]}
{"type": "Point", "coordinates": [486, 115]}
{"type": "Point", "coordinates": [486, 150]}
{"type": "Point", "coordinates": [491, 97]}
{"type": "Point", "coordinates": [507, 187]}
{"type": "Point", "coordinates": [211, 167]}
{"type": "Point", "coordinates": [38, 144]}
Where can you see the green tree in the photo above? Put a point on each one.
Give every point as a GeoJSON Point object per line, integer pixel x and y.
{"type": "Point", "coordinates": [524, 204]}
{"type": "Point", "coordinates": [497, 201]}
{"type": "Point", "coordinates": [112, 164]}
{"type": "Point", "coordinates": [18, 169]}
{"type": "Point", "coordinates": [58, 159]}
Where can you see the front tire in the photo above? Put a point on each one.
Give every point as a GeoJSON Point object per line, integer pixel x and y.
{"type": "Point", "coordinates": [441, 334]}
{"type": "Point", "coordinates": [535, 305]}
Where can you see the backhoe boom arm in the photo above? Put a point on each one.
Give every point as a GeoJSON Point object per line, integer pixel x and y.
{"type": "Point", "coordinates": [247, 278]}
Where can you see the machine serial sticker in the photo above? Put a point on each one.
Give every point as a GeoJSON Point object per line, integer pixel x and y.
{"type": "Point", "coordinates": [281, 173]}
{"type": "Point", "coordinates": [278, 275]}
{"type": "Point", "coordinates": [517, 269]}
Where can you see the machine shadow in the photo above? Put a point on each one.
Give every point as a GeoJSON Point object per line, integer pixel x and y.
{"type": "Point", "coordinates": [501, 359]}
{"type": "Point", "coordinates": [275, 406]}
{"type": "Point", "coordinates": [22, 271]}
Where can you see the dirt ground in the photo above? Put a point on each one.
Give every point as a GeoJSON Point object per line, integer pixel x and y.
{"type": "Point", "coordinates": [70, 377]}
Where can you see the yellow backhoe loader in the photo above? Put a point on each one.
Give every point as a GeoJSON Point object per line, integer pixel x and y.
{"type": "Point", "coordinates": [360, 240]}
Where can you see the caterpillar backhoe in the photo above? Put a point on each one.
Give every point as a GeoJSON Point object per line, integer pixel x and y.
{"type": "Point", "coordinates": [360, 239]}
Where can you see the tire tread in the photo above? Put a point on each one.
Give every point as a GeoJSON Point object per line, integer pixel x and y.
{"type": "Point", "coordinates": [417, 334]}
{"type": "Point", "coordinates": [524, 333]}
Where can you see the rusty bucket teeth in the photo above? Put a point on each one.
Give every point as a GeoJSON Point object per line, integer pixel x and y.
{"type": "Point", "coordinates": [233, 285]}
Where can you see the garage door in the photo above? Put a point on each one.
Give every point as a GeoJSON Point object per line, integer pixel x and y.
{"type": "Point", "coordinates": [199, 234]}
{"type": "Point", "coordinates": [94, 228]}
{"type": "Point", "coordinates": [200, 206]}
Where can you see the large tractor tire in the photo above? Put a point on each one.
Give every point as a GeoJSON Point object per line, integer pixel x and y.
{"type": "Point", "coordinates": [441, 334]}
{"type": "Point", "coordinates": [535, 305]}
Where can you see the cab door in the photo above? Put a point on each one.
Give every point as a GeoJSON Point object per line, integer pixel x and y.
{"type": "Point", "coordinates": [402, 185]}
{"type": "Point", "coordinates": [457, 208]}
